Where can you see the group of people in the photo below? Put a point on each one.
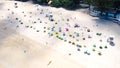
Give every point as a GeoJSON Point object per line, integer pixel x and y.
{"type": "Point", "coordinates": [65, 30]}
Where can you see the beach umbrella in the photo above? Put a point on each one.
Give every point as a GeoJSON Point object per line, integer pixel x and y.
{"type": "Point", "coordinates": [88, 30]}
{"type": "Point", "coordinates": [77, 35]}
{"type": "Point", "coordinates": [78, 49]}
{"type": "Point", "coordinates": [51, 19]}
{"type": "Point", "coordinates": [63, 33]}
{"type": "Point", "coordinates": [69, 41]}
{"type": "Point", "coordinates": [57, 34]}
{"type": "Point", "coordinates": [99, 53]}
{"type": "Point", "coordinates": [93, 49]}
{"type": "Point", "coordinates": [73, 43]}
{"type": "Point", "coordinates": [105, 47]}
{"type": "Point", "coordinates": [99, 34]}
{"type": "Point", "coordinates": [60, 29]}
{"type": "Point", "coordinates": [67, 19]}
{"type": "Point", "coordinates": [67, 29]}
{"type": "Point", "coordinates": [89, 36]}
{"type": "Point", "coordinates": [79, 45]}
{"type": "Point", "coordinates": [112, 43]}
{"type": "Point", "coordinates": [76, 25]}
{"type": "Point", "coordinates": [47, 15]}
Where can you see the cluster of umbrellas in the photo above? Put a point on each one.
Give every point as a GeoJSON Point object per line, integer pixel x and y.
{"type": "Point", "coordinates": [74, 34]}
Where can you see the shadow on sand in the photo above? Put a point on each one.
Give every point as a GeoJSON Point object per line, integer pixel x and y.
{"type": "Point", "coordinates": [5, 32]}
{"type": "Point", "coordinates": [106, 23]}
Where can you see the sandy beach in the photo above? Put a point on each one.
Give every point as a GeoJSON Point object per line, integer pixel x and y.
{"type": "Point", "coordinates": [35, 36]}
{"type": "Point", "coordinates": [18, 51]}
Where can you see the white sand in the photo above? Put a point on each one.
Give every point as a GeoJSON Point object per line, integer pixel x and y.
{"type": "Point", "coordinates": [18, 51]}
{"type": "Point", "coordinates": [110, 57]}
